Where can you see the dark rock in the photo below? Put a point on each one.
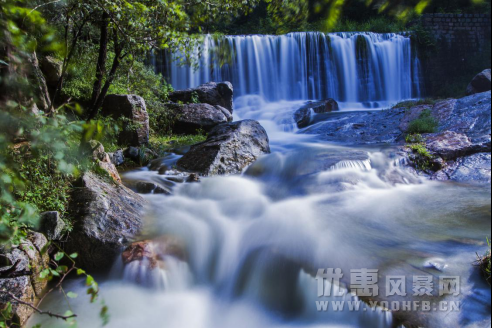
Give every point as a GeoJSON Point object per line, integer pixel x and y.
{"type": "Point", "coordinates": [229, 149]}
{"type": "Point", "coordinates": [51, 225]}
{"type": "Point", "coordinates": [163, 169]}
{"type": "Point", "coordinates": [189, 118]}
{"type": "Point", "coordinates": [39, 84]}
{"type": "Point", "coordinates": [20, 275]}
{"type": "Point", "coordinates": [135, 130]}
{"type": "Point", "coordinates": [363, 127]}
{"type": "Point", "coordinates": [107, 217]}
{"type": "Point", "coordinates": [52, 69]}
{"type": "Point", "coordinates": [480, 83]}
{"type": "Point", "coordinates": [303, 116]}
{"type": "Point", "coordinates": [117, 158]}
{"type": "Point", "coordinates": [146, 187]}
{"type": "Point", "coordinates": [215, 94]}
{"type": "Point", "coordinates": [132, 153]}
{"type": "Point", "coordinates": [193, 178]}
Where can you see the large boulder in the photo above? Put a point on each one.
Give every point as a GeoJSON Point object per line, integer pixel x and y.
{"type": "Point", "coordinates": [107, 217]}
{"type": "Point", "coordinates": [189, 118]}
{"type": "Point", "coordinates": [20, 276]}
{"type": "Point", "coordinates": [303, 116]}
{"type": "Point", "coordinates": [51, 225]}
{"type": "Point", "coordinates": [133, 111]}
{"type": "Point", "coordinates": [450, 145]}
{"type": "Point", "coordinates": [216, 94]}
{"type": "Point", "coordinates": [480, 83]}
{"type": "Point", "coordinates": [475, 168]}
{"type": "Point", "coordinates": [229, 149]}
{"type": "Point", "coordinates": [52, 69]}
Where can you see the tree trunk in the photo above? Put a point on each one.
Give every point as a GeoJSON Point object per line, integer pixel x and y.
{"type": "Point", "coordinates": [101, 62]}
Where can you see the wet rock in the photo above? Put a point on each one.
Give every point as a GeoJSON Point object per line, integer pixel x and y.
{"type": "Point", "coordinates": [51, 225]}
{"type": "Point", "coordinates": [141, 156]}
{"type": "Point", "coordinates": [154, 251]}
{"type": "Point", "coordinates": [107, 217]}
{"type": "Point", "coordinates": [450, 145]}
{"type": "Point", "coordinates": [480, 83]}
{"type": "Point", "coordinates": [52, 69]}
{"type": "Point", "coordinates": [20, 275]}
{"type": "Point", "coordinates": [117, 158]}
{"type": "Point", "coordinates": [369, 127]}
{"type": "Point", "coordinates": [145, 187]}
{"type": "Point", "coordinates": [132, 108]}
{"type": "Point", "coordinates": [215, 94]}
{"type": "Point", "coordinates": [303, 116]}
{"type": "Point", "coordinates": [189, 118]}
{"type": "Point", "coordinates": [475, 168]}
{"type": "Point", "coordinates": [470, 115]}
{"type": "Point", "coordinates": [229, 149]}
{"type": "Point", "coordinates": [132, 153]}
{"type": "Point", "coordinates": [193, 178]}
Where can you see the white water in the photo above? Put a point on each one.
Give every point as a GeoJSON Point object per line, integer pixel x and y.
{"type": "Point", "coordinates": [357, 69]}
{"type": "Point", "coordinates": [251, 239]}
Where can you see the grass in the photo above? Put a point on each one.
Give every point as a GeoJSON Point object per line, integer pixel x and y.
{"type": "Point", "coordinates": [426, 123]}
{"type": "Point", "coordinates": [164, 144]}
{"type": "Point", "coordinates": [485, 264]}
{"type": "Point", "coordinates": [413, 103]}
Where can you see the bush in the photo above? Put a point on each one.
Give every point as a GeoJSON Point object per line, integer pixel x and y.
{"type": "Point", "coordinates": [485, 263]}
{"type": "Point", "coordinates": [164, 144]}
{"type": "Point", "coordinates": [426, 123]}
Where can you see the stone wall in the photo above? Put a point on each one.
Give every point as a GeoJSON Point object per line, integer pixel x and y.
{"type": "Point", "coordinates": [463, 41]}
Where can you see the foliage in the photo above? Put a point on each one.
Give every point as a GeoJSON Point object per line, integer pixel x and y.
{"type": "Point", "coordinates": [165, 144]}
{"type": "Point", "coordinates": [423, 157]}
{"type": "Point", "coordinates": [415, 139]}
{"type": "Point", "coordinates": [426, 123]}
{"type": "Point", "coordinates": [485, 263]}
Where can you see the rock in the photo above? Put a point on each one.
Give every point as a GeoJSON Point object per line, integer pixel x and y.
{"type": "Point", "coordinates": [362, 127]}
{"type": "Point", "coordinates": [229, 149]}
{"type": "Point", "coordinates": [131, 107]}
{"type": "Point", "coordinates": [215, 94]}
{"type": "Point", "coordinates": [190, 118]}
{"type": "Point", "coordinates": [145, 187]}
{"type": "Point", "coordinates": [475, 168]}
{"type": "Point", "coordinates": [449, 145]}
{"type": "Point", "coordinates": [52, 69]}
{"type": "Point", "coordinates": [42, 97]}
{"type": "Point", "coordinates": [480, 83]}
{"type": "Point", "coordinates": [104, 160]}
{"type": "Point", "coordinates": [303, 115]}
{"type": "Point", "coordinates": [193, 178]}
{"type": "Point", "coordinates": [470, 115]}
{"type": "Point", "coordinates": [117, 158]}
{"type": "Point", "coordinates": [107, 217]}
{"type": "Point", "coordinates": [132, 153]}
{"type": "Point", "coordinates": [20, 276]}
{"type": "Point", "coordinates": [154, 251]}
{"type": "Point", "coordinates": [51, 225]}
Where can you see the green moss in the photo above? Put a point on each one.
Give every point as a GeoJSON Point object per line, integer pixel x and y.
{"type": "Point", "coordinates": [485, 263]}
{"type": "Point", "coordinates": [164, 144]}
{"type": "Point", "coordinates": [426, 123]}
{"type": "Point", "coordinates": [412, 103]}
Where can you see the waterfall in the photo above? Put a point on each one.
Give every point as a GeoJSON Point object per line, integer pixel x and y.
{"type": "Point", "coordinates": [363, 68]}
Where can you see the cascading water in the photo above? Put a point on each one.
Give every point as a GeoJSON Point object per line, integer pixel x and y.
{"type": "Point", "coordinates": [253, 242]}
{"type": "Point", "coordinates": [366, 68]}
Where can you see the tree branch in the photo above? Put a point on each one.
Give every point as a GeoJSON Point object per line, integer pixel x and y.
{"type": "Point", "coordinates": [48, 313]}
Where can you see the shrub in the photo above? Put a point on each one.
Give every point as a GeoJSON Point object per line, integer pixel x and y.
{"type": "Point", "coordinates": [164, 144]}
{"type": "Point", "coordinates": [485, 263]}
{"type": "Point", "coordinates": [422, 158]}
{"type": "Point", "coordinates": [426, 123]}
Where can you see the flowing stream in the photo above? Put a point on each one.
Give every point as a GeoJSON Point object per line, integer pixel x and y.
{"type": "Point", "coordinates": [255, 241]}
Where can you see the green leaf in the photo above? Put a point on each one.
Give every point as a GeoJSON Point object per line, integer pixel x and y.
{"type": "Point", "coordinates": [80, 272]}
{"type": "Point", "coordinates": [72, 295]}
{"type": "Point", "coordinates": [59, 256]}
{"type": "Point", "coordinates": [74, 255]}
